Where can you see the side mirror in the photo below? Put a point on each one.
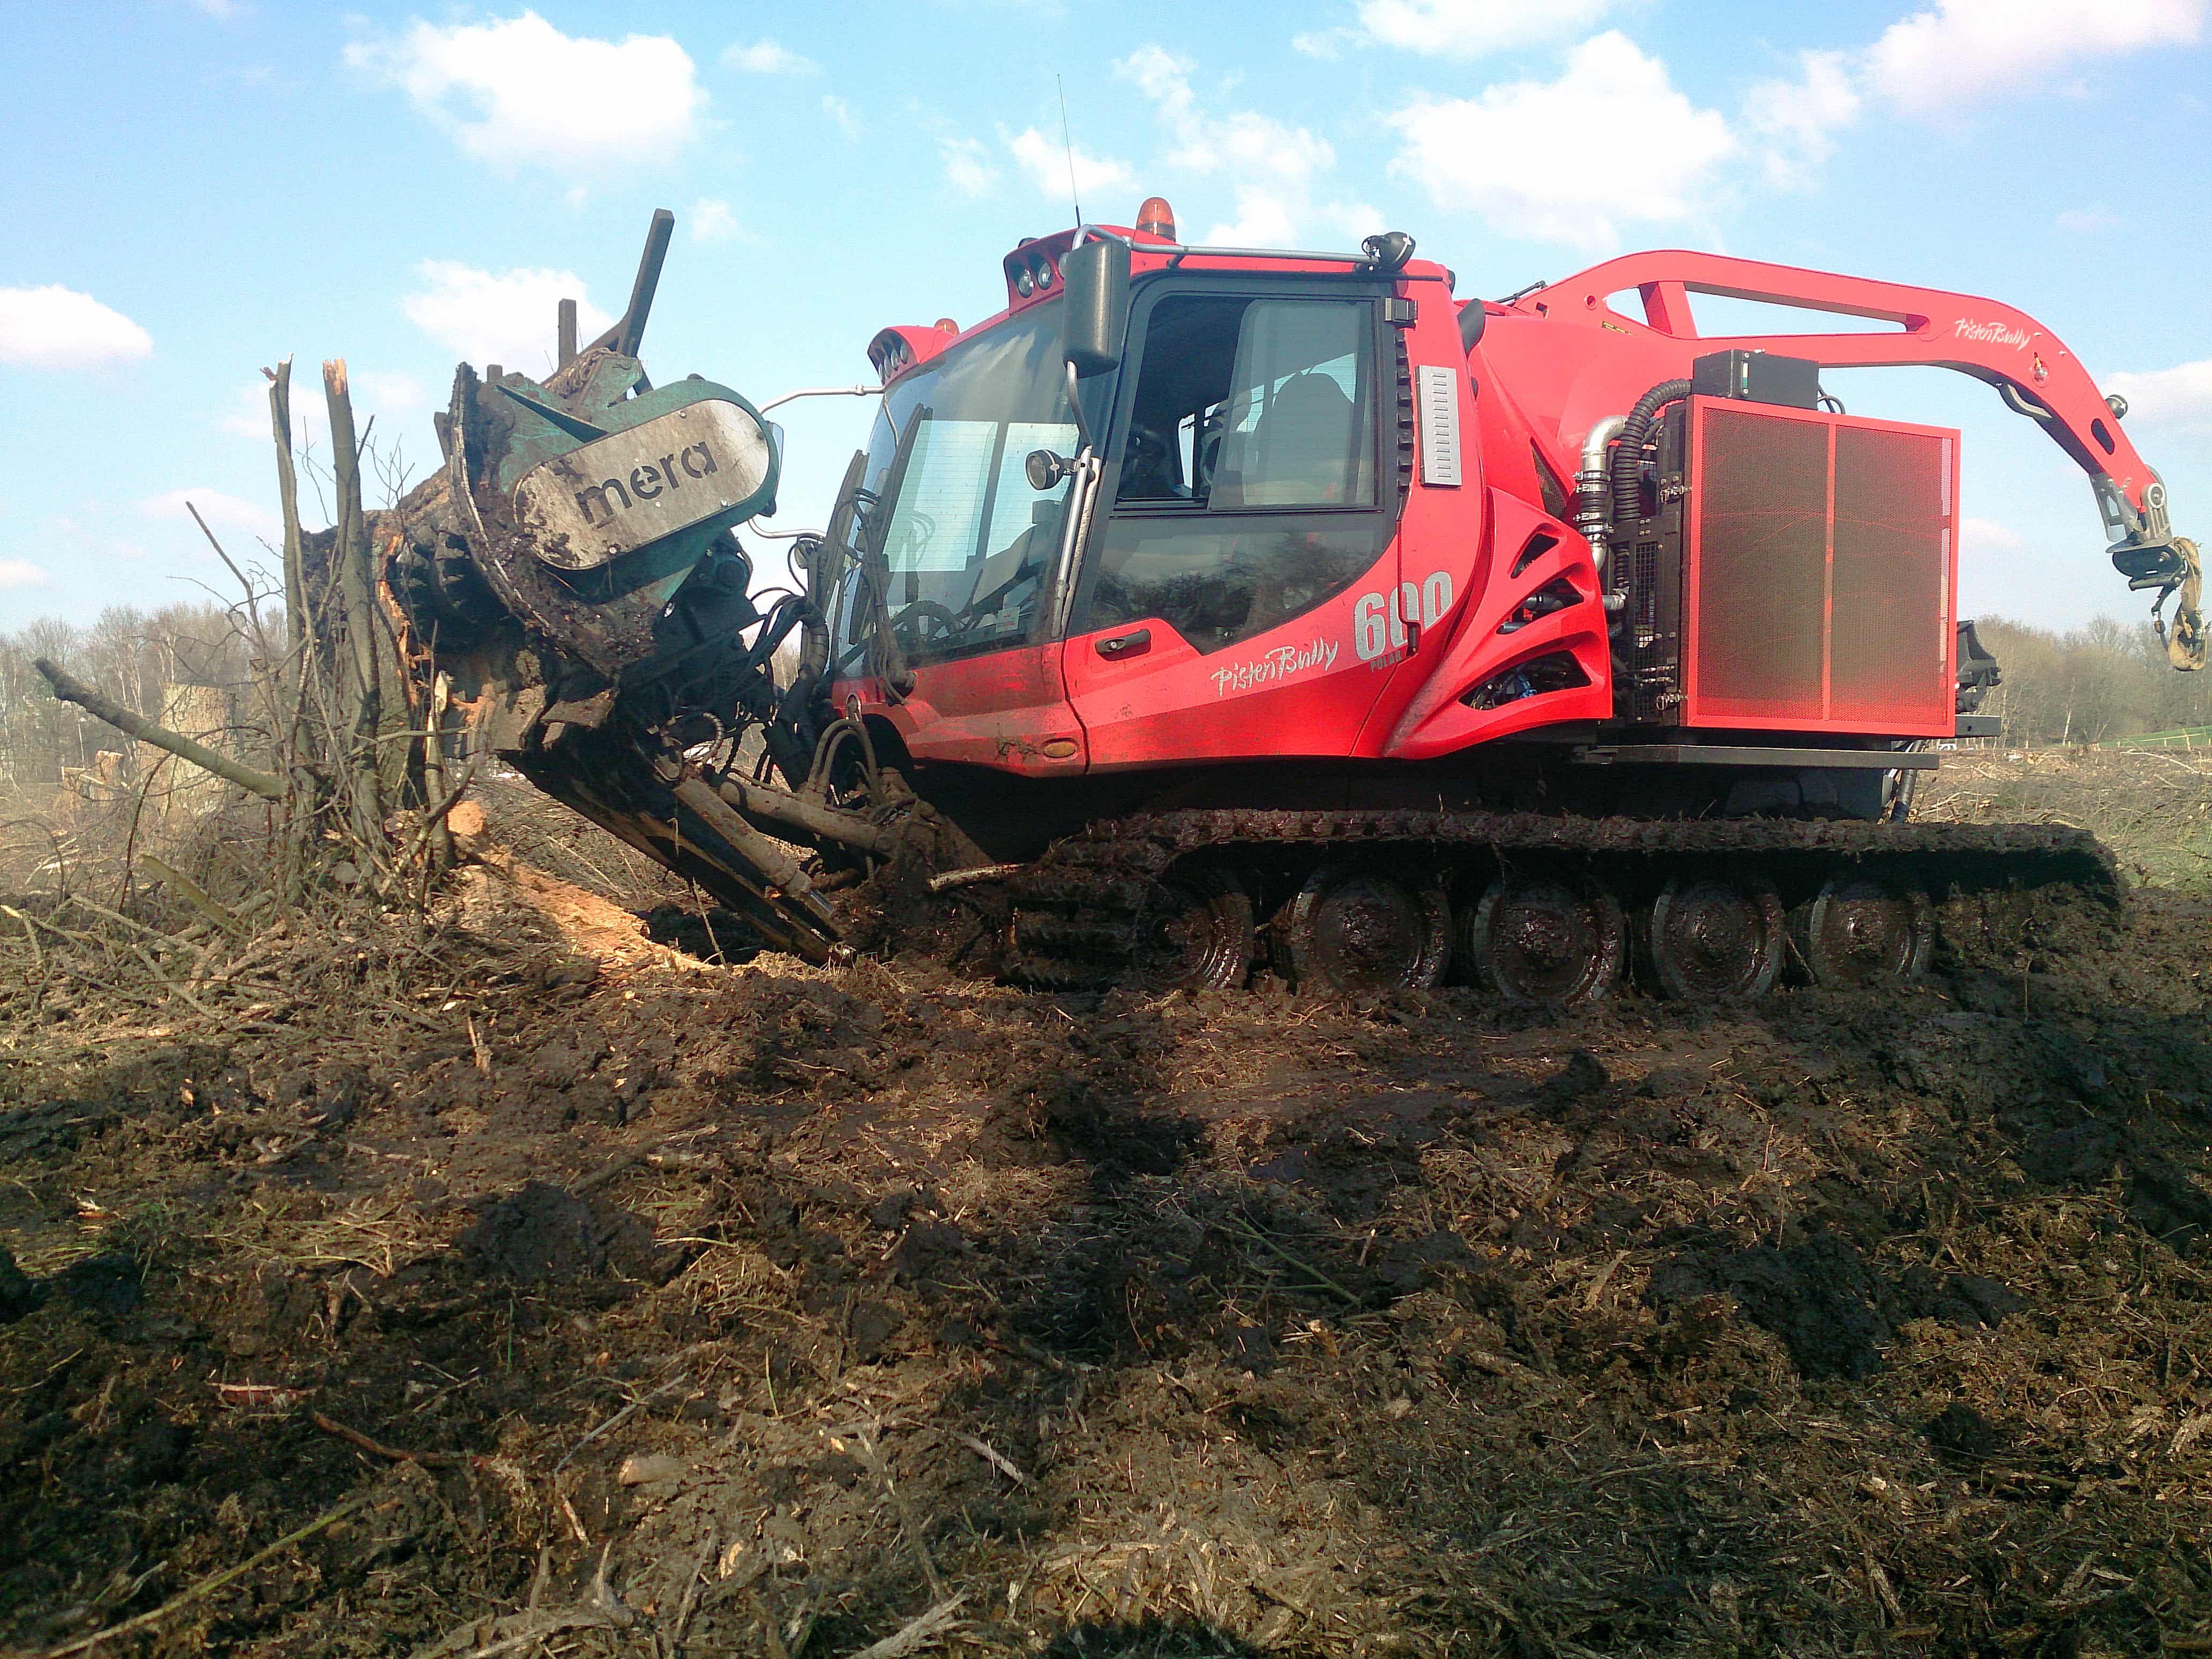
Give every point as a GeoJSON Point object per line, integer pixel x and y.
{"type": "Point", "coordinates": [1096, 276]}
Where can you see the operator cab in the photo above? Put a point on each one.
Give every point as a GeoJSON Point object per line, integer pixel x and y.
{"type": "Point", "coordinates": [1154, 485]}
{"type": "Point", "coordinates": [1243, 461]}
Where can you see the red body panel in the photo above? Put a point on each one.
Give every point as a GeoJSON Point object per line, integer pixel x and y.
{"type": "Point", "coordinates": [1547, 369]}
{"type": "Point", "coordinates": [1299, 689]}
{"type": "Point", "coordinates": [1436, 721]}
{"type": "Point", "coordinates": [1007, 709]}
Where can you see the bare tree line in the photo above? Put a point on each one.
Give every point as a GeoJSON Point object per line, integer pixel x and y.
{"type": "Point", "coordinates": [308, 694]}
{"type": "Point", "coordinates": [2088, 685]}
{"type": "Point", "coordinates": [134, 654]}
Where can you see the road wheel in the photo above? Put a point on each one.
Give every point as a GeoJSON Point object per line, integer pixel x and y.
{"type": "Point", "coordinates": [1198, 934]}
{"type": "Point", "coordinates": [1354, 927]}
{"type": "Point", "coordinates": [1545, 938]}
{"type": "Point", "coordinates": [1863, 929]}
{"type": "Point", "coordinates": [1711, 936]}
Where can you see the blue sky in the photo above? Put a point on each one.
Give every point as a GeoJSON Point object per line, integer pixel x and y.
{"type": "Point", "coordinates": [195, 188]}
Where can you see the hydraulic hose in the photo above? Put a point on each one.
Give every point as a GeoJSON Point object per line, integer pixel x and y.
{"type": "Point", "coordinates": [1628, 453]}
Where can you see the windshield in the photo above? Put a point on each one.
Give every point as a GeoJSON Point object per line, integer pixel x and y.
{"type": "Point", "coordinates": [966, 544]}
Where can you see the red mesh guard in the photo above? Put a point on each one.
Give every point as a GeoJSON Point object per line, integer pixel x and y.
{"type": "Point", "coordinates": [1820, 574]}
{"type": "Point", "coordinates": [1888, 655]}
{"type": "Point", "coordinates": [1761, 589]}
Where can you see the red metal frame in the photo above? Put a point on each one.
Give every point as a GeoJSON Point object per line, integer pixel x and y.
{"type": "Point", "coordinates": [1434, 721]}
{"type": "Point", "coordinates": [1990, 341]}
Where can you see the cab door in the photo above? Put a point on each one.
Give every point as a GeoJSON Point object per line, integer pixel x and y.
{"type": "Point", "coordinates": [961, 570]}
{"type": "Point", "coordinates": [1249, 513]}
{"type": "Point", "coordinates": [969, 560]}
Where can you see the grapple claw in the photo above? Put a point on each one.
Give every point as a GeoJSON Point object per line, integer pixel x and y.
{"type": "Point", "coordinates": [2184, 640]}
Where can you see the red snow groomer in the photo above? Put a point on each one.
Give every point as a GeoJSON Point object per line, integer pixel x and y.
{"type": "Point", "coordinates": [1208, 609]}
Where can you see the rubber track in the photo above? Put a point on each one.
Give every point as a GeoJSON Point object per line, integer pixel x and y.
{"type": "Point", "coordinates": [1109, 867]}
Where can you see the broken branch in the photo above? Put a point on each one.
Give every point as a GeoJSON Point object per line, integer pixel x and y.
{"type": "Point", "coordinates": [69, 689]}
{"type": "Point", "coordinates": [377, 1448]}
{"type": "Point", "coordinates": [208, 1586]}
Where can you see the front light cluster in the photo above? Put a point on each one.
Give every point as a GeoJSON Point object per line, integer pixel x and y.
{"type": "Point", "coordinates": [891, 356]}
{"type": "Point", "coordinates": [1035, 275]}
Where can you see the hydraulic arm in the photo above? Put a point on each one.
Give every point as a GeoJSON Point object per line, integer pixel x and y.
{"type": "Point", "coordinates": [2032, 370]}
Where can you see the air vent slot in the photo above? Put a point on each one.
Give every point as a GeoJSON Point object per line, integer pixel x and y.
{"type": "Point", "coordinates": [1549, 486]}
{"type": "Point", "coordinates": [1555, 671]}
{"type": "Point", "coordinates": [1534, 549]}
{"type": "Point", "coordinates": [1556, 594]}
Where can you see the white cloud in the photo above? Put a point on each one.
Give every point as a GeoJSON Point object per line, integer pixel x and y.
{"type": "Point", "coordinates": [712, 222]}
{"type": "Point", "coordinates": [221, 513]}
{"type": "Point", "coordinates": [1243, 142]}
{"type": "Point", "coordinates": [1271, 168]}
{"type": "Point", "coordinates": [381, 393]}
{"type": "Point", "coordinates": [388, 396]}
{"type": "Point", "coordinates": [1544, 159]}
{"type": "Point", "coordinates": [1263, 220]}
{"type": "Point", "coordinates": [1988, 536]}
{"type": "Point", "coordinates": [841, 112]}
{"type": "Point", "coordinates": [519, 92]}
{"type": "Point", "coordinates": [2181, 395]}
{"type": "Point", "coordinates": [224, 10]}
{"type": "Point", "coordinates": [506, 317]}
{"type": "Point", "coordinates": [766, 58]}
{"type": "Point", "coordinates": [1046, 161]}
{"type": "Point", "coordinates": [1354, 221]}
{"type": "Point", "coordinates": [1933, 60]}
{"type": "Point", "coordinates": [1163, 77]}
{"type": "Point", "coordinates": [57, 327]}
{"type": "Point", "coordinates": [1795, 120]}
{"type": "Point", "coordinates": [20, 573]}
{"type": "Point", "coordinates": [2088, 221]}
{"type": "Point", "coordinates": [967, 166]}
{"type": "Point", "coordinates": [1470, 29]}
{"type": "Point", "coordinates": [1324, 44]}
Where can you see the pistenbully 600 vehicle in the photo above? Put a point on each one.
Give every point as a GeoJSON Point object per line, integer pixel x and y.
{"type": "Point", "coordinates": [1207, 607]}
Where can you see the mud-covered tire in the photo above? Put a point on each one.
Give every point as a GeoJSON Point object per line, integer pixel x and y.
{"type": "Point", "coordinates": [1354, 927]}
{"type": "Point", "coordinates": [1198, 934]}
{"type": "Point", "coordinates": [1547, 938]}
{"type": "Point", "coordinates": [1862, 929]}
{"type": "Point", "coordinates": [1711, 936]}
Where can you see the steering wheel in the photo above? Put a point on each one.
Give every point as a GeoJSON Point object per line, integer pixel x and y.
{"type": "Point", "coordinates": [923, 622]}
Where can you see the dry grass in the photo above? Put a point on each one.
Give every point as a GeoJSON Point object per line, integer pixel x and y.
{"type": "Point", "coordinates": [2153, 808]}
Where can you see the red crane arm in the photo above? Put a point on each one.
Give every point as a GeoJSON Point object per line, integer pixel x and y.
{"type": "Point", "coordinates": [2031, 368]}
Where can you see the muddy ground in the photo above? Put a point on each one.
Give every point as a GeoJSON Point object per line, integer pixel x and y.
{"type": "Point", "coordinates": [646, 1308]}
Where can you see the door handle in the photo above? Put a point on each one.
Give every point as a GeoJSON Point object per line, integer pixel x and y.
{"type": "Point", "coordinates": [1125, 645]}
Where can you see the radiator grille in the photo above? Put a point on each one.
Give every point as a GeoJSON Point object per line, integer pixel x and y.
{"type": "Point", "coordinates": [1892, 583]}
{"type": "Point", "coordinates": [1761, 593]}
{"type": "Point", "coordinates": [1819, 573]}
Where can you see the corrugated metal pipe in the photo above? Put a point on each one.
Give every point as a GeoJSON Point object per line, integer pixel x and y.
{"type": "Point", "coordinates": [1628, 454]}
{"type": "Point", "coordinates": [1591, 515]}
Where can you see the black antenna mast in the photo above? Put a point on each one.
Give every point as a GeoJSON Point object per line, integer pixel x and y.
{"type": "Point", "coordinates": [1068, 143]}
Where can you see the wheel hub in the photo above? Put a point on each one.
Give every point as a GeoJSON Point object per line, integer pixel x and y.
{"type": "Point", "coordinates": [1360, 929]}
{"type": "Point", "coordinates": [1715, 936]}
{"type": "Point", "coordinates": [1545, 938]}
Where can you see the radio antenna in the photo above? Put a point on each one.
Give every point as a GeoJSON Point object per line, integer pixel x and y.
{"type": "Point", "coordinates": [1068, 143]}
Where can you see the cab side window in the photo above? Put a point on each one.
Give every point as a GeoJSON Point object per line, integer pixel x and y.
{"type": "Point", "coordinates": [1248, 490]}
